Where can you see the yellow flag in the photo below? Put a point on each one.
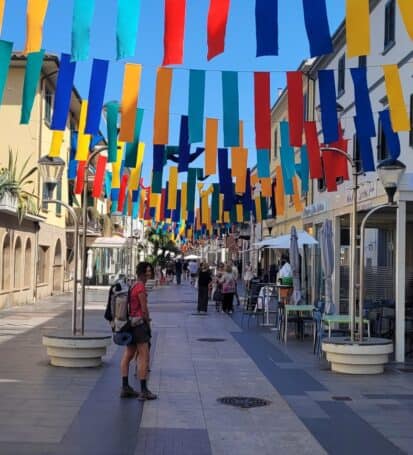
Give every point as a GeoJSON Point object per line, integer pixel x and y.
{"type": "Point", "coordinates": [358, 27]}
{"type": "Point", "coordinates": [405, 7]}
{"type": "Point", "coordinates": [56, 145]}
{"type": "Point", "coordinates": [136, 171]}
{"type": "Point", "coordinates": [162, 100]}
{"type": "Point", "coordinates": [35, 14]}
{"type": "Point", "coordinates": [398, 113]}
{"type": "Point", "coordinates": [183, 200]}
{"type": "Point", "coordinates": [240, 213]}
{"type": "Point", "coordinates": [116, 167]}
{"type": "Point", "coordinates": [173, 187]}
{"type": "Point", "coordinates": [257, 202]}
{"type": "Point", "coordinates": [83, 140]}
{"type": "Point", "coordinates": [2, 5]}
{"type": "Point", "coordinates": [130, 94]}
{"type": "Point", "coordinates": [227, 218]}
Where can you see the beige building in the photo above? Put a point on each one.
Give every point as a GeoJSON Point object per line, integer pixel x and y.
{"type": "Point", "coordinates": [33, 254]}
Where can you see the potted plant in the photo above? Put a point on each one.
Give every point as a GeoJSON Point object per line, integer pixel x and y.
{"type": "Point", "coordinates": [15, 191]}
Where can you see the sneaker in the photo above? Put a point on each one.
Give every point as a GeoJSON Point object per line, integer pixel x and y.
{"type": "Point", "coordinates": [230, 312]}
{"type": "Point", "coordinates": [147, 395]}
{"type": "Point", "coordinates": [128, 392]}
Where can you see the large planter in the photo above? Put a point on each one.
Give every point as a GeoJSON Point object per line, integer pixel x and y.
{"type": "Point", "coordinates": [8, 203]}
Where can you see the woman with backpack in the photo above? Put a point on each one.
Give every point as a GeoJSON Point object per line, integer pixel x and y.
{"type": "Point", "coordinates": [141, 334]}
{"type": "Point", "coordinates": [228, 290]}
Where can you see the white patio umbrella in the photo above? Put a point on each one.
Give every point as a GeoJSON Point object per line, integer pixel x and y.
{"type": "Point", "coordinates": [192, 257]}
{"type": "Point", "coordinates": [295, 265]}
{"type": "Point", "coordinates": [327, 264]}
{"type": "Point", "coordinates": [89, 264]}
{"type": "Point", "coordinates": [283, 241]}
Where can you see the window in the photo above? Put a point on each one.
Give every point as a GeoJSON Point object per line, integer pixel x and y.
{"type": "Point", "coordinates": [341, 75]}
{"type": "Point", "coordinates": [356, 154]}
{"type": "Point", "coordinates": [45, 196]}
{"type": "Point", "coordinates": [48, 100]}
{"type": "Point", "coordinates": [362, 61]}
{"type": "Point", "coordinates": [389, 25]}
{"type": "Point", "coordinates": [17, 263]}
{"type": "Point", "coordinates": [275, 143]}
{"type": "Point", "coordinates": [28, 264]}
{"type": "Point", "coordinates": [43, 264]}
{"type": "Point", "coordinates": [382, 148]}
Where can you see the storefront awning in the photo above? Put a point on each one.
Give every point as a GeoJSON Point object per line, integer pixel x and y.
{"type": "Point", "coordinates": [109, 242]}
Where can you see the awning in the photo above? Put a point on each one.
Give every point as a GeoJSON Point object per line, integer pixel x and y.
{"type": "Point", "coordinates": [109, 242]}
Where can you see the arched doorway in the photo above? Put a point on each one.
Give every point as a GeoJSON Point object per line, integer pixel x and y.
{"type": "Point", "coordinates": [5, 263]}
{"type": "Point", "coordinates": [17, 264]}
{"type": "Point", "coordinates": [28, 264]}
{"type": "Point", "coordinates": [58, 268]}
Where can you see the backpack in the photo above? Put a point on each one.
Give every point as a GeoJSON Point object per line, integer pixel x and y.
{"type": "Point", "coordinates": [117, 308]}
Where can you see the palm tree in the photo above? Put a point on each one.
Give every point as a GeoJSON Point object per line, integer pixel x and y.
{"type": "Point", "coordinates": [161, 242]}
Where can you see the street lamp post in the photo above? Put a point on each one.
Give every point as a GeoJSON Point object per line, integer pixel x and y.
{"type": "Point", "coordinates": [353, 238]}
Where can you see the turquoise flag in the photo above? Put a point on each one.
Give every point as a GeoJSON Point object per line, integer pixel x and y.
{"type": "Point", "coordinates": [131, 154]}
{"type": "Point", "coordinates": [190, 192]}
{"type": "Point", "coordinates": [81, 22]}
{"type": "Point", "coordinates": [112, 109]}
{"type": "Point", "coordinates": [196, 105]}
{"type": "Point", "coordinates": [127, 27]}
{"type": "Point", "coordinates": [6, 48]}
{"type": "Point", "coordinates": [230, 108]}
{"type": "Point", "coordinates": [263, 163]}
{"type": "Point", "coordinates": [156, 186]}
{"type": "Point", "coordinates": [287, 159]}
{"type": "Point", "coordinates": [31, 79]}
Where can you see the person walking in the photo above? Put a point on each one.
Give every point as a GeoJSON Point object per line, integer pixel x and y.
{"type": "Point", "coordinates": [193, 270]}
{"type": "Point", "coordinates": [178, 271]}
{"type": "Point", "coordinates": [204, 280]}
{"type": "Point", "coordinates": [228, 289]}
{"type": "Point", "coordinates": [141, 334]}
{"type": "Point", "coordinates": [185, 270]}
{"type": "Point", "coordinates": [235, 275]}
{"type": "Point", "coordinates": [248, 275]}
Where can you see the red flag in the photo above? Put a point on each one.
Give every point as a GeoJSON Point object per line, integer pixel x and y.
{"type": "Point", "coordinates": [313, 147]}
{"type": "Point", "coordinates": [217, 23]}
{"type": "Point", "coordinates": [262, 110]}
{"type": "Point", "coordinates": [122, 192]}
{"type": "Point", "coordinates": [341, 164]}
{"type": "Point", "coordinates": [329, 160]}
{"type": "Point", "coordinates": [173, 40]}
{"type": "Point", "coordinates": [100, 174]}
{"type": "Point", "coordinates": [80, 176]}
{"type": "Point", "coordinates": [295, 107]}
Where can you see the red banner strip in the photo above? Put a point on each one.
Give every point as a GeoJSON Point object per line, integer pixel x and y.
{"type": "Point", "coordinates": [313, 147]}
{"type": "Point", "coordinates": [330, 171]}
{"type": "Point", "coordinates": [173, 40]}
{"type": "Point", "coordinates": [262, 110]}
{"type": "Point", "coordinates": [80, 176]}
{"type": "Point", "coordinates": [217, 24]}
{"type": "Point", "coordinates": [341, 163]}
{"type": "Point", "coordinates": [99, 176]}
{"type": "Point", "coordinates": [122, 192]}
{"type": "Point", "coordinates": [295, 107]}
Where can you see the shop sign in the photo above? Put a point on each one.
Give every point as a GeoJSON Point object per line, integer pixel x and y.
{"type": "Point", "coordinates": [367, 190]}
{"type": "Point", "coordinates": [314, 209]}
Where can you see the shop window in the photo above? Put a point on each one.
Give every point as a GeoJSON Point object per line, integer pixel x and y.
{"type": "Point", "coordinates": [341, 76]}
{"type": "Point", "coordinates": [6, 269]}
{"type": "Point", "coordinates": [48, 102]}
{"type": "Point", "coordinates": [43, 264]}
{"type": "Point", "coordinates": [17, 263]}
{"type": "Point", "coordinates": [28, 264]}
{"type": "Point", "coordinates": [389, 25]}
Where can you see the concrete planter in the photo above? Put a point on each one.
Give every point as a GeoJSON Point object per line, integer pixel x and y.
{"type": "Point", "coordinates": [368, 357]}
{"type": "Point", "coordinates": [76, 351]}
{"type": "Point", "coordinates": [8, 202]}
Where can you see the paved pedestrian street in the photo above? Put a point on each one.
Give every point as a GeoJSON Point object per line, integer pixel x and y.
{"type": "Point", "coordinates": [50, 410]}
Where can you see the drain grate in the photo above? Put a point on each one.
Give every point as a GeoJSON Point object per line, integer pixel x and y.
{"type": "Point", "coordinates": [244, 402]}
{"type": "Point", "coordinates": [341, 398]}
{"type": "Point", "coordinates": [212, 340]}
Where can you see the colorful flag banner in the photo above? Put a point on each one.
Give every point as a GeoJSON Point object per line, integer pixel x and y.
{"type": "Point", "coordinates": [156, 186]}
{"type": "Point", "coordinates": [405, 7]}
{"type": "Point", "coordinates": [230, 108]}
{"type": "Point", "coordinates": [362, 101]}
{"type": "Point", "coordinates": [2, 6]}
{"type": "Point", "coordinates": [174, 30]}
{"type": "Point", "coordinates": [162, 100]}
{"type": "Point", "coordinates": [398, 113]}
{"type": "Point", "coordinates": [184, 147]}
{"type": "Point", "coordinates": [266, 27]}
{"type": "Point", "coordinates": [135, 174]}
{"type": "Point", "coordinates": [6, 48]}
{"type": "Point", "coordinates": [35, 15]}
{"type": "Point", "coordinates": [392, 138]}
{"type": "Point", "coordinates": [211, 146]}
{"type": "Point", "coordinates": [63, 93]}
{"type": "Point", "coordinates": [99, 176]}
{"type": "Point", "coordinates": [313, 148]}
{"type": "Point", "coordinates": [31, 80]}
{"type": "Point", "coordinates": [80, 177]}
{"type": "Point", "coordinates": [56, 144]}
{"type": "Point", "coordinates": [72, 167]}
{"type": "Point", "coordinates": [173, 187]}
{"type": "Point", "coordinates": [196, 105]}
{"type": "Point", "coordinates": [158, 157]}
{"type": "Point", "coordinates": [279, 191]}
{"type": "Point", "coordinates": [112, 110]}
{"type": "Point", "coordinates": [239, 163]}
{"type": "Point", "coordinates": [263, 163]}
{"type": "Point", "coordinates": [295, 107]}
{"type": "Point", "coordinates": [130, 94]}
{"type": "Point", "coordinates": [83, 140]}
{"type": "Point", "coordinates": [318, 30]}
{"type": "Point", "coordinates": [365, 147]}
{"type": "Point", "coordinates": [340, 161]}
{"type": "Point", "coordinates": [262, 104]}
{"type": "Point", "coordinates": [131, 152]}
{"type": "Point", "coordinates": [304, 170]}
{"type": "Point", "coordinates": [257, 211]}
{"type": "Point", "coordinates": [296, 197]}
{"type": "Point", "coordinates": [217, 24]}
{"type": "Point", "coordinates": [81, 23]}
{"type": "Point", "coordinates": [266, 187]}
{"type": "Point", "coordinates": [127, 27]}
{"type": "Point", "coordinates": [176, 214]}
{"type": "Point", "coordinates": [328, 105]}
{"type": "Point", "coordinates": [357, 27]}
{"type": "Point", "coordinates": [122, 192]}
{"type": "Point", "coordinates": [330, 174]}
{"type": "Point", "coordinates": [183, 200]}
{"type": "Point", "coordinates": [215, 203]}
{"type": "Point", "coordinates": [288, 157]}
{"type": "Point", "coordinates": [96, 95]}
{"type": "Point", "coordinates": [190, 193]}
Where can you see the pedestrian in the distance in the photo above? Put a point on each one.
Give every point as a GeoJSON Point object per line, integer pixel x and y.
{"type": "Point", "coordinates": [178, 271]}
{"type": "Point", "coordinates": [248, 275]}
{"type": "Point", "coordinates": [228, 289]}
{"type": "Point", "coordinates": [235, 276]}
{"type": "Point", "coordinates": [204, 280]}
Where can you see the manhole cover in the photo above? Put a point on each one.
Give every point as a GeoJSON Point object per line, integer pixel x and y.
{"type": "Point", "coordinates": [244, 402]}
{"type": "Point", "coordinates": [341, 398]}
{"type": "Point", "coordinates": [212, 340]}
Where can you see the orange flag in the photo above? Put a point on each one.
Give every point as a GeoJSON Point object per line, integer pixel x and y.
{"type": "Point", "coordinates": [162, 100]}
{"type": "Point", "coordinates": [211, 144]}
{"type": "Point", "coordinates": [35, 14]}
{"type": "Point", "coordinates": [130, 95]}
{"type": "Point", "coordinates": [279, 191]}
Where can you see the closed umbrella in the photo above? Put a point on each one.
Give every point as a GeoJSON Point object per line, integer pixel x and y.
{"type": "Point", "coordinates": [89, 266]}
{"type": "Point", "coordinates": [295, 265]}
{"type": "Point", "coordinates": [327, 264]}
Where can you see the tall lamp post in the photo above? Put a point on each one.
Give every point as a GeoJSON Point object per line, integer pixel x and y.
{"type": "Point", "coordinates": [390, 172]}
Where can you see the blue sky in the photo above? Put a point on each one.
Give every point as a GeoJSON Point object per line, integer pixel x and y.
{"type": "Point", "coordinates": [239, 54]}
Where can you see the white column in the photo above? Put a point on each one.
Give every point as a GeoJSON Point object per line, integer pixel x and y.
{"type": "Point", "coordinates": [400, 281]}
{"type": "Point", "coordinates": [337, 252]}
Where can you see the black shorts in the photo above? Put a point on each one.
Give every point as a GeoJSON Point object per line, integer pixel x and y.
{"type": "Point", "coordinates": [140, 334]}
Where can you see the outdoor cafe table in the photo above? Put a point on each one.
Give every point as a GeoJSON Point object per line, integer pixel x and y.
{"type": "Point", "coordinates": [289, 308]}
{"type": "Point", "coordinates": [331, 319]}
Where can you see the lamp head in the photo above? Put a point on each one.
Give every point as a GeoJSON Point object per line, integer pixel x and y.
{"type": "Point", "coordinates": [51, 169]}
{"type": "Point", "coordinates": [390, 172]}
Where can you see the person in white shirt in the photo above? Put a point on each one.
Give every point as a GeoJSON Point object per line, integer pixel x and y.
{"type": "Point", "coordinates": [285, 270]}
{"type": "Point", "coordinates": [193, 270]}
